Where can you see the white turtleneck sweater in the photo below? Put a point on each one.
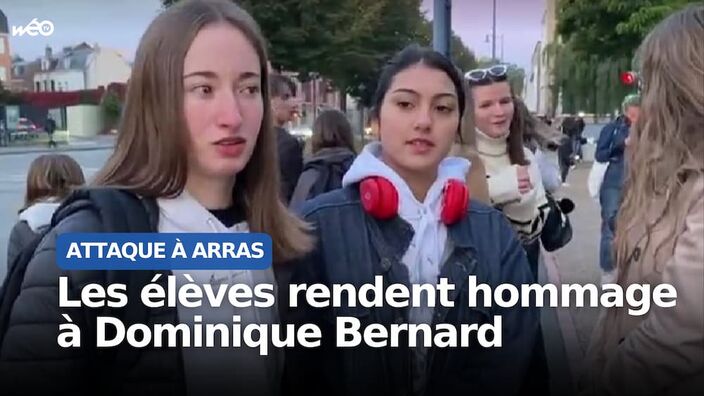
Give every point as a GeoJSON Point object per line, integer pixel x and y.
{"type": "Point", "coordinates": [525, 211]}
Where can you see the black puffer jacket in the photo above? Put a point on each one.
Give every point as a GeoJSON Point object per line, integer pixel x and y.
{"type": "Point", "coordinates": [32, 362]}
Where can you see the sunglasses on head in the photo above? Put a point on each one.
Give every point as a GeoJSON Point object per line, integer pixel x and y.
{"type": "Point", "coordinates": [495, 73]}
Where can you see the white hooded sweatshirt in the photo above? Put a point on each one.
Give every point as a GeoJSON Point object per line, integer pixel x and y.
{"type": "Point", "coordinates": [221, 371]}
{"type": "Point", "coordinates": [428, 248]}
{"type": "Point", "coordinates": [39, 215]}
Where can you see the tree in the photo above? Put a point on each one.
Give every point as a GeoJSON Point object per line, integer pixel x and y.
{"type": "Point", "coordinates": [8, 97]}
{"type": "Point", "coordinates": [599, 39]}
{"type": "Point", "coordinates": [610, 29]}
{"type": "Point", "coordinates": [112, 109]}
{"type": "Point", "coordinates": [346, 41]}
{"type": "Point", "coordinates": [461, 55]}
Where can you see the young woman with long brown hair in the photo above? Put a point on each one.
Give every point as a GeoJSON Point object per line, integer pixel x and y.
{"type": "Point", "coordinates": [195, 143]}
{"type": "Point", "coordinates": [51, 177]}
{"type": "Point", "coordinates": [660, 233]}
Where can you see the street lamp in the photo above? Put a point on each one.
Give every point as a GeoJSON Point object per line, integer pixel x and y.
{"type": "Point", "coordinates": [493, 32]}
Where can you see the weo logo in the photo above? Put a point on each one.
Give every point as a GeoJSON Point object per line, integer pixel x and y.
{"type": "Point", "coordinates": [34, 27]}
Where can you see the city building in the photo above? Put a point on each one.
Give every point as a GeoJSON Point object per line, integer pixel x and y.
{"type": "Point", "coordinates": [538, 87]}
{"type": "Point", "coordinates": [80, 67]}
{"type": "Point", "coordinates": [5, 55]}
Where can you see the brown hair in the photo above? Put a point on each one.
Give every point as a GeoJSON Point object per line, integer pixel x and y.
{"type": "Point", "coordinates": [534, 132]}
{"type": "Point", "coordinates": [514, 142]}
{"type": "Point", "coordinates": [278, 83]}
{"type": "Point", "coordinates": [666, 143]}
{"type": "Point", "coordinates": [331, 129]}
{"type": "Point", "coordinates": [52, 176]}
{"type": "Point", "coordinates": [150, 156]}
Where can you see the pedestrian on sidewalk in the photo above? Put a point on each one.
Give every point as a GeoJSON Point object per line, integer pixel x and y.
{"type": "Point", "coordinates": [50, 179]}
{"type": "Point", "coordinates": [195, 154]}
{"type": "Point", "coordinates": [290, 150]}
{"type": "Point", "coordinates": [513, 173]}
{"type": "Point", "coordinates": [660, 233]}
{"type": "Point", "coordinates": [50, 128]}
{"type": "Point", "coordinates": [515, 183]}
{"type": "Point", "coordinates": [611, 149]}
{"type": "Point", "coordinates": [332, 148]}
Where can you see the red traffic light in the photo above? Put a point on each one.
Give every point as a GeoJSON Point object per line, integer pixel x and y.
{"type": "Point", "coordinates": [629, 78]}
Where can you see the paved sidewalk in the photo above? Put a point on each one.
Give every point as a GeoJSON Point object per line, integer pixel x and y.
{"type": "Point", "coordinates": [99, 142]}
{"type": "Point", "coordinates": [577, 263]}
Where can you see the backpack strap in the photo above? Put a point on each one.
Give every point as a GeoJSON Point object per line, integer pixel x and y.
{"type": "Point", "coordinates": [305, 183]}
{"type": "Point", "coordinates": [120, 211]}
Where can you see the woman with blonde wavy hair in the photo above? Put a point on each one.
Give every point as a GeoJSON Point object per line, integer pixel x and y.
{"type": "Point", "coordinates": [660, 233]}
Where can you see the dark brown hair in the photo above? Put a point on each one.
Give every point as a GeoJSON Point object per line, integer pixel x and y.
{"type": "Point", "coordinates": [331, 129]}
{"type": "Point", "coordinates": [534, 132]}
{"type": "Point", "coordinates": [52, 176]}
{"type": "Point", "coordinates": [278, 84]}
{"type": "Point", "coordinates": [150, 156]}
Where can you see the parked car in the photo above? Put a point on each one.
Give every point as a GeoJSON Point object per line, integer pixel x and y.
{"type": "Point", "coordinates": [25, 129]}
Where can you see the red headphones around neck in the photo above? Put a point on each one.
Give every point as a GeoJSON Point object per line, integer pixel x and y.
{"type": "Point", "coordinates": [380, 199]}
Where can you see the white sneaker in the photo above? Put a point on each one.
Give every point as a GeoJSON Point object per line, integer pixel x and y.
{"type": "Point", "coordinates": [608, 277]}
{"type": "Point", "coordinates": [565, 184]}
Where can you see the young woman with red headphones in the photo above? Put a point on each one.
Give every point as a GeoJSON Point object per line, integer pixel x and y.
{"type": "Point", "coordinates": [405, 213]}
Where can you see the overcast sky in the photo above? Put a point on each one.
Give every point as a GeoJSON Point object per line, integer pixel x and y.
{"type": "Point", "coordinates": [120, 24]}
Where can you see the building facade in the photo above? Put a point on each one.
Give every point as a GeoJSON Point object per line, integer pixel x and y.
{"type": "Point", "coordinates": [80, 67]}
{"type": "Point", "coordinates": [5, 53]}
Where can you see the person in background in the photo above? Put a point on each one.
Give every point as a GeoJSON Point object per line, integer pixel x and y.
{"type": "Point", "coordinates": [515, 185]}
{"type": "Point", "coordinates": [565, 151]}
{"type": "Point", "coordinates": [50, 128]}
{"type": "Point", "coordinates": [332, 153]}
{"type": "Point", "coordinates": [660, 233]}
{"type": "Point", "coordinates": [610, 149]}
{"type": "Point", "coordinates": [290, 150]}
{"type": "Point", "coordinates": [51, 177]}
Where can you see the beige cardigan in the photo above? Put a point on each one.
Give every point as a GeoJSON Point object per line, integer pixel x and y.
{"type": "Point", "coordinates": [661, 352]}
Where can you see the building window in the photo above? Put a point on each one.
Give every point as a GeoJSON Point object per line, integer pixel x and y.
{"type": "Point", "coordinates": [3, 70]}
{"type": "Point", "coordinates": [66, 85]}
{"type": "Point", "coordinates": [2, 45]}
{"type": "Point", "coordinates": [38, 86]}
{"type": "Point", "coordinates": [46, 85]}
{"type": "Point", "coordinates": [53, 86]}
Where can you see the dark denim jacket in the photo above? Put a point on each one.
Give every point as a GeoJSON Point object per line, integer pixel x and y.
{"type": "Point", "coordinates": [611, 148]}
{"type": "Point", "coordinates": [354, 248]}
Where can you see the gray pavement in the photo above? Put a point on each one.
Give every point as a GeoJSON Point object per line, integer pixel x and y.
{"type": "Point", "coordinates": [99, 142]}
{"type": "Point", "coordinates": [13, 173]}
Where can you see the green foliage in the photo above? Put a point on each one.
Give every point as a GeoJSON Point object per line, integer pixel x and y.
{"type": "Point", "coordinates": [600, 38]}
{"type": "Point", "coordinates": [346, 41]}
{"type": "Point", "coordinates": [7, 97]}
{"type": "Point", "coordinates": [112, 108]}
{"type": "Point", "coordinates": [461, 55]}
{"type": "Point", "coordinates": [610, 28]}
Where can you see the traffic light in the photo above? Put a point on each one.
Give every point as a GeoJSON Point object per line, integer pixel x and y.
{"type": "Point", "coordinates": [629, 78]}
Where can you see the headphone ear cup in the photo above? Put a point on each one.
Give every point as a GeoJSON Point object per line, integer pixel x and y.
{"type": "Point", "coordinates": [379, 198]}
{"type": "Point", "coordinates": [455, 200]}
